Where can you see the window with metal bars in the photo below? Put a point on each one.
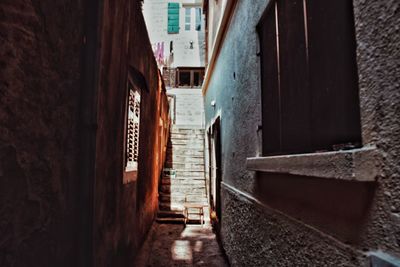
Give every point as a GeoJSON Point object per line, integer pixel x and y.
{"type": "Point", "coordinates": [133, 127]}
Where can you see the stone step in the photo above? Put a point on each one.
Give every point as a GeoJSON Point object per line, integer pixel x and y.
{"type": "Point", "coordinates": [186, 159]}
{"type": "Point", "coordinates": [201, 198]}
{"type": "Point", "coordinates": [176, 130]}
{"type": "Point", "coordinates": [177, 207]}
{"type": "Point", "coordinates": [189, 178]}
{"type": "Point", "coordinates": [170, 214]}
{"type": "Point", "coordinates": [183, 152]}
{"type": "Point", "coordinates": [186, 136]}
{"type": "Point", "coordinates": [165, 205]}
{"type": "Point", "coordinates": [182, 189]}
{"type": "Point", "coordinates": [198, 162]}
{"type": "Point", "coordinates": [189, 173]}
{"type": "Point", "coordinates": [178, 159]}
{"type": "Point", "coordinates": [187, 141]}
{"type": "Point", "coordinates": [185, 173]}
{"type": "Point", "coordinates": [174, 207]}
{"type": "Point", "coordinates": [171, 220]}
{"type": "Point", "coordinates": [190, 164]}
{"type": "Point", "coordinates": [181, 167]}
{"type": "Point", "coordinates": [177, 177]}
{"type": "Point", "coordinates": [180, 195]}
{"type": "Point", "coordinates": [177, 148]}
{"type": "Point", "coordinates": [174, 182]}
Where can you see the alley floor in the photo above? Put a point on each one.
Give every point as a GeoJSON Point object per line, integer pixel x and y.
{"type": "Point", "coordinates": [176, 245]}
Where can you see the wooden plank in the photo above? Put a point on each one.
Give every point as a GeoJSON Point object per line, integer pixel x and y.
{"type": "Point", "coordinates": [334, 83]}
{"type": "Point", "coordinates": [294, 90]}
{"type": "Point", "coordinates": [270, 84]}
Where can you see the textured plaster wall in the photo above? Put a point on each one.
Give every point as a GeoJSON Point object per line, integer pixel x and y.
{"type": "Point", "coordinates": [303, 217]}
{"type": "Point", "coordinates": [254, 235]}
{"type": "Point", "coordinates": [125, 212]}
{"type": "Point", "coordinates": [234, 87]}
{"type": "Point", "coordinates": [378, 55]}
{"type": "Point", "coordinates": [40, 56]}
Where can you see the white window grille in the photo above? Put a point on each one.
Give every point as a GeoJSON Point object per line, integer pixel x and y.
{"type": "Point", "coordinates": [133, 127]}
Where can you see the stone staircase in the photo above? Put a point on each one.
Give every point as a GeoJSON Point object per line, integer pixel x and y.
{"type": "Point", "coordinates": [183, 175]}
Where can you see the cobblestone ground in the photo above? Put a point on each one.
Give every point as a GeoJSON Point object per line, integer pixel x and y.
{"type": "Point", "coordinates": [175, 245]}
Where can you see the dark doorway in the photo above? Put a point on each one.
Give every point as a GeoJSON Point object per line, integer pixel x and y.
{"type": "Point", "coordinates": [214, 136]}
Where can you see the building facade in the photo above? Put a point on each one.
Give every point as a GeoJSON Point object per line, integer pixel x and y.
{"type": "Point", "coordinates": [177, 33]}
{"type": "Point", "coordinates": [302, 119]}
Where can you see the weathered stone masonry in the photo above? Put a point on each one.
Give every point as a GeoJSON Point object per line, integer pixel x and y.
{"type": "Point", "coordinates": [40, 59]}
{"type": "Point", "coordinates": [63, 76]}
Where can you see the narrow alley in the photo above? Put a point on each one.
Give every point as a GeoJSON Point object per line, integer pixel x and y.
{"type": "Point", "coordinates": [177, 245]}
{"type": "Point", "coordinates": [157, 133]}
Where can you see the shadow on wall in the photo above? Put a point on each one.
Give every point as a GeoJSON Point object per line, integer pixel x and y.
{"type": "Point", "coordinates": [166, 183]}
{"type": "Point", "coordinates": [337, 207]}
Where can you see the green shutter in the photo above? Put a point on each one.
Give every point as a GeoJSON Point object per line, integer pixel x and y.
{"type": "Point", "coordinates": [173, 17]}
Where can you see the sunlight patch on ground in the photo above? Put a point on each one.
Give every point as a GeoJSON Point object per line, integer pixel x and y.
{"type": "Point", "coordinates": [198, 246]}
{"type": "Point", "coordinates": [181, 250]}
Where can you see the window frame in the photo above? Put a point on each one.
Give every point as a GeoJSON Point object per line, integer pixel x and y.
{"type": "Point", "coordinates": [198, 19]}
{"type": "Point", "coordinates": [192, 71]}
{"type": "Point", "coordinates": [188, 23]}
{"type": "Point", "coordinates": [130, 174]}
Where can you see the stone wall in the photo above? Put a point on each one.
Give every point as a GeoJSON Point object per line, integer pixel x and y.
{"type": "Point", "coordinates": [281, 220]}
{"type": "Point", "coordinates": [124, 212]}
{"type": "Point", "coordinates": [40, 74]}
{"type": "Point", "coordinates": [63, 75]}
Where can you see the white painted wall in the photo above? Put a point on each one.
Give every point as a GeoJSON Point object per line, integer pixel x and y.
{"type": "Point", "coordinates": [216, 11]}
{"type": "Point", "coordinates": [156, 17]}
{"type": "Point", "coordinates": [189, 108]}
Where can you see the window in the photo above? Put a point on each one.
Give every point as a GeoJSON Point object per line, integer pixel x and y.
{"type": "Point", "coordinates": [198, 18]}
{"type": "Point", "coordinates": [187, 18]}
{"type": "Point", "coordinates": [184, 78]}
{"type": "Point", "coordinates": [309, 77]}
{"type": "Point", "coordinates": [190, 77]}
{"type": "Point", "coordinates": [173, 17]}
{"type": "Point", "coordinates": [133, 126]}
{"type": "Point", "coordinates": [196, 78]}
